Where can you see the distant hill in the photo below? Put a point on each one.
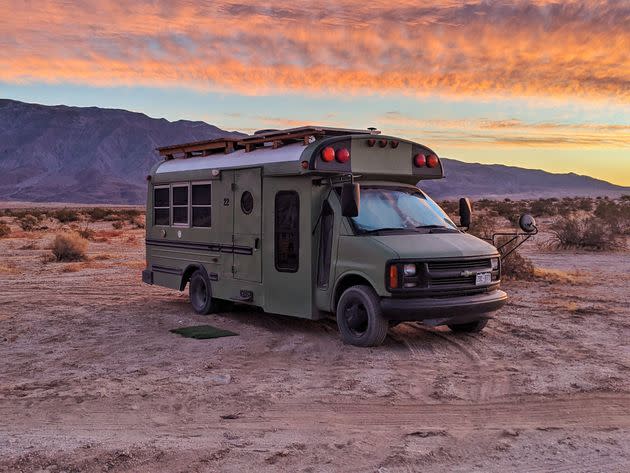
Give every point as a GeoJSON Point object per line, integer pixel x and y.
{"type": "Point", "coordinates": [498, 181]}
{"type": "Point", "coordinates": [88, 155]}
{"type": "Point", "coordinates": [95, 155]}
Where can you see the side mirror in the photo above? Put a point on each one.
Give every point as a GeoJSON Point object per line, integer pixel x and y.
{"type": "Point", "coordinates": [350, 199]}
{"type": "Point", "coordinates": [527, 223]}
{"type": "Point", "coordinates": [465, 212]}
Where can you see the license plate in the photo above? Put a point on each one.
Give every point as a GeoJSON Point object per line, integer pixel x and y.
{"type": "Point", "coordinates": [483, 278]}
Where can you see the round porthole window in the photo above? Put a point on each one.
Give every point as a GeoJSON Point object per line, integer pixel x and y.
{"type": "Point", "coordinates": [247, 202]}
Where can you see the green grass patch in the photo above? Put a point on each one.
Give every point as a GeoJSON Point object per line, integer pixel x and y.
{"type": "Point", "coordinates": [202, 332]}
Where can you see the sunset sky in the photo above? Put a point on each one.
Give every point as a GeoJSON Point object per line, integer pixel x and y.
{"type": "Point", "coordinates": [532, 83]}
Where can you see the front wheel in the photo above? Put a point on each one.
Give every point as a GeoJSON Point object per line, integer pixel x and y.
{"type": "Point", "coordinates": [470, 327]}
{"type": "Point", "coordinates": [359, 317]}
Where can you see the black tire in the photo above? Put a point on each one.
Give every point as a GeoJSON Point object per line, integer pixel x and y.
{"type": "Point", "coordinates": [200, 293]}
{"type": "Point", "coordinates": [470, 327]}
{"type": "Point", "coordinates": [359, 317]}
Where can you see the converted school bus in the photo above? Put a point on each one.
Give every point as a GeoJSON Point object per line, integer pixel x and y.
{"type": "Point", "coordinates": [314, 221]}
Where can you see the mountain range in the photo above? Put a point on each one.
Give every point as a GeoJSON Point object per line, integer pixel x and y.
{"type": "Point", "coordinates": [95, 155]}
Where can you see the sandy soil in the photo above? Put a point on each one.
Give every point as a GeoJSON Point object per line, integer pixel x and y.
{"type": "Point", "coordinates": [92, 380]}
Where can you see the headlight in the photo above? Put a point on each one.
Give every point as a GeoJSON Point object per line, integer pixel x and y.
{"type": "Point", "coordinates": [409, 270]}
{"type": "Point", "coordinates": [495, 263]}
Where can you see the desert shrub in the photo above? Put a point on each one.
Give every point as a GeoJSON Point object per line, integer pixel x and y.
{"type": "Point", "coordinates": [615, 214]}
{"type": "Point", "coordinates": [28, 223]}
{"type": "Point", "coordinates": [117, 224]}
{"type": "Point", "coordinates": [97, 213]}
{"type": "Point", "coordinates": [5, 230]}
{"type": "Point", "coordinates": [590, 233]}
{"type": "Point", "coordinates": [543, 208]}
{"type": "Point", "coordinates": [86, 232]}
{"type": "Point", "coordinates": [625, 198]}
{"type": "Point", "coordinates": [138, 223]}
{"type": "Point", "coordinates": [66, 215]}
{"type": "Point", "coordinates": [516, 266]}
{"type": "Point", "coordinates": [128, 214]}
{"type": "Point", "coordinates": [69, 247]}
{"type": "Point", "coordinates": [483, 225]}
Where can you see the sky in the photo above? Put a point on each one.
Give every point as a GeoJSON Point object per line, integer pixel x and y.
{"type": "Point", "coordinates": [533, 83]}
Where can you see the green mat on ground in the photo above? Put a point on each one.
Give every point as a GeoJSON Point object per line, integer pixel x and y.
{"type": "Point", "coordinates": [201, 332]}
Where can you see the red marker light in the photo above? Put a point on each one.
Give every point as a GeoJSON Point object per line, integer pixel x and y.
{"type": "Point", "coordinates": [304, 164]}
{"type": "Point", "coordinates": [420, 160]}
{"type": "Point", "coordinates": [393, 144]}
{"type": "Point", "coordinates": [382, 143]}
{"type": "Point", "coordinates": [432, 161]}
{"type": "Point", "coordinates": [328, 154]}
{"type": "Point", "coordinates": [343, 155]}
{"type": "Point", "coordinates": [371, 142]}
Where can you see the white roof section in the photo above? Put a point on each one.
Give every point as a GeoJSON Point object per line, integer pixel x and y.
{"type": "Point", "coordinates": [237, 159]}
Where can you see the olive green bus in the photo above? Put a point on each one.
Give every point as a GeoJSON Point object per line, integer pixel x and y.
{"type": "Point", "coordinates": [315, 222]}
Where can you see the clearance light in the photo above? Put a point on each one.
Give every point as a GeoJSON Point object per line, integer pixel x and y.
{"type": "Point", "coordinates": [382, 143]}
{"type": "Point", "coordinates": [432, 161]}
{"type": "Point", "coordinates": [419, 160]}
{"type": "Point", "coordinates": [393, 276]}
{"type": "Point", "coordinates": [328, 154]}
{"type": "Point", "coordinates": [394, 144]}
{"type": "Point", "coordinates": [371, 142]}
{"type": "Point", "coordinates": [343, 155]}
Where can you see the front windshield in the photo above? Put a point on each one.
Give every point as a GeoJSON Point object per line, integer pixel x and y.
{"type": "Point", "coordinates": [398, 208]}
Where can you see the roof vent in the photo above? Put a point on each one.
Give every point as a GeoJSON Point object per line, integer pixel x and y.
{"type": "Point", "coordinates": [373, 130]}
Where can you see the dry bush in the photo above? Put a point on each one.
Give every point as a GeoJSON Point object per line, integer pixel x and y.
{"type": "Point", "coordinates": [615, 214]}
{"type": "Point", "coordinates": [5, 230]}
{"type": "Point", "coordinates": [514, 265]}
{"type": "Point", "coordinates": [543, 207]}
{"type": "Point", "coordinates": [591, 233]}
{"type": "Point", "coordinates": [102, 257]}
{"type": "Point", "coordinates": [483, 225]}
{"type": "Point", "coordinates": [117, 224]}
{"type": "Point", "coordinates": [69, 247]}
{"type": "Point", "coordinates": [138, 222]}
{"type": "Point", "coordinates": [573, 278]}
{"type": "Point", "coordinates": [66, 215]}
{"type": "Point", "coordinates": [28, 223]}
{"type": "Point", "coordinates": [86, 232]}
{"type": "Point", "coordinates": [97, 213]}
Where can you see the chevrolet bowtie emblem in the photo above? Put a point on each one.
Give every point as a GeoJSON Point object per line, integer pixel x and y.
{"type": "Point", "coordinates": [466, 273]}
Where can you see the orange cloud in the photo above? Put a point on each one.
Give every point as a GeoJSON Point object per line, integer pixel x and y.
{"type": "Point", "coordinates": [528, 48]}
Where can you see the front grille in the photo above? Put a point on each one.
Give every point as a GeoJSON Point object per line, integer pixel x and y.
{"type": "Point", "coordinates": [458, 264]}
{"type": "Point", "coordinates": [452, 280]}
{"type": "Point", "coordinates": [446, 278]}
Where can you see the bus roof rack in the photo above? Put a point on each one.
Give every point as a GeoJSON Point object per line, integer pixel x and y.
{"type": "Point", "coordinates": [276, 138]}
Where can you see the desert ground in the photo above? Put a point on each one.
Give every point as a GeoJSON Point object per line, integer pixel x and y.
{"type": "Point", "coordinates": [92, 380]}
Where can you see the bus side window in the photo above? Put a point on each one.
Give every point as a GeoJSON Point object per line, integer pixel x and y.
{"type": "Point", "coordinates": [162, 205]}
{"type": "Point", "coordinates": [287, 231]}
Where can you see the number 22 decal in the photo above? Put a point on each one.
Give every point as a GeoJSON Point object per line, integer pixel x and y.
{"type": "Point", "coordinates": [226, 202]}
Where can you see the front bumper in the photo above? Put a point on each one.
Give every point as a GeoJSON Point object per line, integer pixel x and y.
{"type": "Point", "coordinates": [443, 310]}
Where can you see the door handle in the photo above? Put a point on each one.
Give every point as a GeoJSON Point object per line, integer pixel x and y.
{"type": "Point", "coordinates": [256, 243]}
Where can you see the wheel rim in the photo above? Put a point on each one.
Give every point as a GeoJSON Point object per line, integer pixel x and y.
{"type": "Point", "coordinates": [199, 294]}
{"type": "Point", "coordinates": [356, 317]}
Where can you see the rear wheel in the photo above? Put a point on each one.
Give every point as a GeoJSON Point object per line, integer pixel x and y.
{"type": "Point", "coordinates": [359, 317]}
{"type": "Point", "coordinates": [470, 327]}
{"type": "Point", "coordinates": [200, 293]}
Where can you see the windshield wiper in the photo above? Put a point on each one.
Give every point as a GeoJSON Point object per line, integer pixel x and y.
{"type": "Point", "coordinates": [438, 227]}
{"type": "Point", "coordinates": [384, 229]}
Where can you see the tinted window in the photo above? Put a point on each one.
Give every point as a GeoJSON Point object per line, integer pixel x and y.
{"type": "Point", "coordinates": [201, 210]}
{"type": "Point", "coordinates": [180, 195]}
{"type": "Point", "coordinates": [161, 197]}
{"type": "Point", "coordinates": [162, 217]}
{"type": "Point", "coordinates": [201, 216]}
{"type": "Point", "coordinates": [180, 215]}
{"type": "Point", "coordinates": [325, 245]}
{"type": "Point", "coordinates": [287, 231]}
{"type": "Point", "coordinates": [161, 206]}
{"type": "Point", "coordinates": [201, 194]}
